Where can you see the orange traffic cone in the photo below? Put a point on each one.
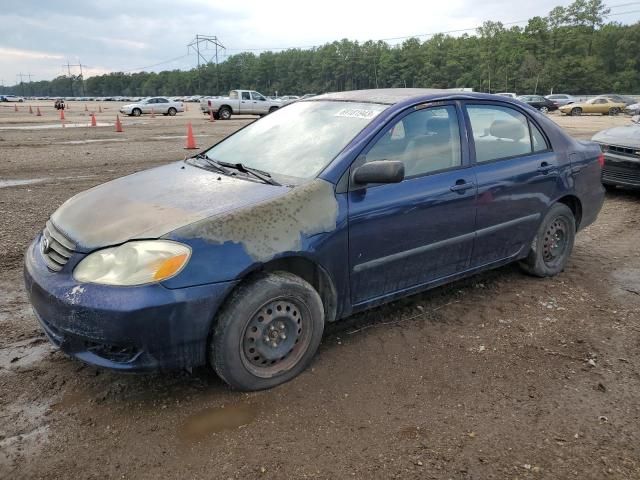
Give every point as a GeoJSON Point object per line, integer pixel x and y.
{"type": "Point", "coordinates": [99, 108]}
{"type": "Point", "coordinates": [153, 113]}
{"type": "Point", "coordinates": [85, 108]}
{"type": "Point", "coordinates": [191, 141]}
{"type": "Point", "coordinates": [93, 120]}
{"type": "Point", "coordinates": [15, 107]}
{"type": "Point", "coordinates": [30, 109]}
{"type": "Point", "coordinates": [38, 114]}
{"type": "Point", "coordinates": [61, 114]}
{"type": "Point", "coordinates": [118, 124]}
{"type": "Point", "coordinates": [211, 117]}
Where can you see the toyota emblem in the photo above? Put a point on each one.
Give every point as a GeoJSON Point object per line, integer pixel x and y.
{"type": "Point", "coordinates": [45, 246]}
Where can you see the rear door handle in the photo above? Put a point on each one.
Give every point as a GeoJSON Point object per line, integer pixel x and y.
{"type": "Point", "coordinates": [545, 167]}
{"type": "Point", "coordinates": [461, 186]}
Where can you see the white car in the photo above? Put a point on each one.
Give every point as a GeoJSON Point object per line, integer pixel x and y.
{"type": "Point", "coordinates": [11, 98]}
{"type": "Point", "coordinates": [152, 105]}
{"type": "Point", "coordinates": [507, 94]}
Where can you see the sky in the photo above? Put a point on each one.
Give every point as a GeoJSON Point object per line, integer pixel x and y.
{"type": "Point", "coordinates": [38, 37]}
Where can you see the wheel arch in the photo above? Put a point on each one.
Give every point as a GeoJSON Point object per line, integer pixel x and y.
{"type": "Point", "coordinates": [575, 205]}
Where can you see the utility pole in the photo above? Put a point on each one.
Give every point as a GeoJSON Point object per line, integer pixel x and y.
{"type": "Point", "coordinates": [199, 45]}
{"type": "Point", "coordinates": [21, 83]}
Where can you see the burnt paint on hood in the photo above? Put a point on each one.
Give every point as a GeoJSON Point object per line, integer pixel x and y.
{"type": "Point", "coordinates": [274, 226]}
{"type": "Point", "coordinates": [152, 203]}
{"type": "Point", "coordinates": [626, 136]}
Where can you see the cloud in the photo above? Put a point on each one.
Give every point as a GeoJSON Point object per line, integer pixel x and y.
{"type": "Point", "coordinates": [16, 53]}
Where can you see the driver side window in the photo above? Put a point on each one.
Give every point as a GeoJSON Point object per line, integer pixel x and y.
{"type": "Point", "coordinates": [426, 141]}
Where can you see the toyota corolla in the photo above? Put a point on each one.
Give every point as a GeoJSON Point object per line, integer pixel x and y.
{"type": "Point", "coordinates": [238, 257]}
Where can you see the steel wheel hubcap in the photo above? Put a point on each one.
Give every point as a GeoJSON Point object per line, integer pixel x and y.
{"type": "Point", "coordinates": [555, 241]}
{"type": "Point", "coordinates": [275, 338]}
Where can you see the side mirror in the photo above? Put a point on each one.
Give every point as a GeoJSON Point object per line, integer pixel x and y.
{"type": "Point", "coordinates": [381, 171]}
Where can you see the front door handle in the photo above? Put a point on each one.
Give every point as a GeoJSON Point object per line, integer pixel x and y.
{"type": "Point", "coordinates": [545, 168]}
{"type": "Point", "coordinates": [461, 186]}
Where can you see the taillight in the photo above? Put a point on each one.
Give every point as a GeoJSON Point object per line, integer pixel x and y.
{"type": "Point", "coordinates": [601, 159]}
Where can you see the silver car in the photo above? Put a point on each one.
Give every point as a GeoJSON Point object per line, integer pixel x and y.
{"type": "Point", "coordinates": [152, 105]}
{"type": "Point", "coordinates": [561, 99]}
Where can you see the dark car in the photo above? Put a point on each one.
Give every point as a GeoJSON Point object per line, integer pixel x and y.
{"type": "Point", "coordinates": [539, 103]}
{"type": "Point", "coordinates": [239, 256]}
{"type": "Point", "coordinates": [621, 147]}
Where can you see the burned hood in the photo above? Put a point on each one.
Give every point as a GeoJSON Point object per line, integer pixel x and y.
{"type": "Point", "coordinates": [154, 202]}
{"type": "Point", "coordinates": [627, 136]}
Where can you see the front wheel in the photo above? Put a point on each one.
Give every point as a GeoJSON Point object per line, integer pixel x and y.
{"type": "Point", "coordinates": [544, 109]}
{"type": "Point", "coordinates": [136, 112]}
{"type": "Point", "coordinates": [552, 245]}
{"type": "Point", "coordinates": [267, 332]}
{"type": "Point", "coordinates": [614, 111]}
{"type": "Point", "coordinates": [273, 109]}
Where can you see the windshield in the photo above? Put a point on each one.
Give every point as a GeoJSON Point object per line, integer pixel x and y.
{"type": "Point", "coordinates": [298, 140]}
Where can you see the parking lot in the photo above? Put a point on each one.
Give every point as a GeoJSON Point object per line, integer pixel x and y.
{"type": "Point", "coordinates": [498, 376]}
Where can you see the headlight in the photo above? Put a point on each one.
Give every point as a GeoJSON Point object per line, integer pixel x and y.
{"type": "Point", "coordinates": [133, 263]}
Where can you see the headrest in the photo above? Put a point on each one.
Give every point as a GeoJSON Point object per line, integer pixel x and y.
{"type": "Point", "coordinates": [438, 126]}
{"type": "Point", "coordinates": [511, 129]}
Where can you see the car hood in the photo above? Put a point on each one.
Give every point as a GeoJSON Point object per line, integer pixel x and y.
{"type": "Point", "coordinates": [154, 202]}
{"type": "Point", "coordinates": [626, 136]}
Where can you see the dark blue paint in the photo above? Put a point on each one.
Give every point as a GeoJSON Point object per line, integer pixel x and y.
{"type": "Point", "coordinates": [389, 241]}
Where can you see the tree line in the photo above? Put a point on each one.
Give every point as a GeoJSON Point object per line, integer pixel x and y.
{"type": "Point", "coordinates": [572, 49]}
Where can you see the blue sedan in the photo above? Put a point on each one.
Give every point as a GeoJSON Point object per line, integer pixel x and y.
{"type": "Point", "coordinates": [239, 256]}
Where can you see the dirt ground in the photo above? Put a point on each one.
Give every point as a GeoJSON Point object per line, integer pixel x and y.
{"type": "Point", "coordinates": [501, 376]}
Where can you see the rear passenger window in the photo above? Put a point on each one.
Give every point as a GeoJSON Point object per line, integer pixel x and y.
{"type": "Point", "coordinates": [502, 132]}
{"type": "Point", "coordinates": [537, 139]}
{"type": "Point", "coordinates": [426, 140]}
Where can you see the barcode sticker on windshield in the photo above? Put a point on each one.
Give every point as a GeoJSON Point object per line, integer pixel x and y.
{"type": "Point", "coordinates": [356, 113]}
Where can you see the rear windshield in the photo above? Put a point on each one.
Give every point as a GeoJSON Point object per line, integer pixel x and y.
{"type": "Point", "coordinates": [298, 140]}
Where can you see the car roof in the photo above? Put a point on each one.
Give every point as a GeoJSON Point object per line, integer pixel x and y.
{"type": "Point", "coordinates": [392, 96]}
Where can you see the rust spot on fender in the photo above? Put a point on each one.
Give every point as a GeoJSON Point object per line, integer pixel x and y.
{"type": "Point", "coordinates": [276, 225]}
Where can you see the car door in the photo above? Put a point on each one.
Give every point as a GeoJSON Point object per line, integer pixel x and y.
{"type": "Point", "coordinates": [149, 106]}
{"type": "Point", "coordinates": [517, 176]}
{"type": "Point", "coordinates": [259, 103]}
{"type": "Point", "coordinates": [162, 105]}
{"type": "Point", "coordinates": [246, 104]}
{"type": "Point", "coordinates": [420, 230]}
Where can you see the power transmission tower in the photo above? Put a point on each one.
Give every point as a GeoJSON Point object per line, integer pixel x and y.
{"type": "Point", "coordinates": [21, 75]}
{"type": "Point", "coordinates": [81, 77]}
{"type": "Point", "coordinates": [199, 45]}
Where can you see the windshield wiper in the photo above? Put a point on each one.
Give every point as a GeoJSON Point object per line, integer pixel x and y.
{"type": "Point", "coordinates": [212, 163]}
{"type": "Point", "coordinates": [259, 174]}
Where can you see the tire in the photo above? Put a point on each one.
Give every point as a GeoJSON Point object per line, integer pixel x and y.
{"type": "Point", "coordinates": [224, 113]}
{"type": "Point", "coordinates": [272, 307]}
{"type": "Point", "coordinates": [553, 243]}
{"type": "Point", "coordinates": [273, 109]}
{"type": "Point", "coordinates": [576, 111]}
{"type": "Point", "coordinates": [172, 112]}
{"type": "Point", "coordinates": [544, 109]}
{"type": "Point", "coordinates": [614, 111]}
{"type": "Point", "coordinates": [136, 112]}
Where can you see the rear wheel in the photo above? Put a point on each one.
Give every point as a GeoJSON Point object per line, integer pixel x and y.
{"type": "Point", "coordinates": [172, 111]}
{"type": "Point", "coordinates": [224, 113]}
{"type": "Point", "coordinates": [268, 332]}
{"type": "Point", "coordinates": [576, 111]}
{"type": "Point", "coordinates": [552, 245]}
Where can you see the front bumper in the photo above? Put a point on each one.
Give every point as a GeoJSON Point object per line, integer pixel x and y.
{"type": "Point", "coordinates": [141, 328]}
{"type": "Point", "coordinates": [621, 170]}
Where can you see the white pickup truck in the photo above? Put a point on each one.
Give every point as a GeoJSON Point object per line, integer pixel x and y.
{"type": "Point", "coordinates": [239, 102]}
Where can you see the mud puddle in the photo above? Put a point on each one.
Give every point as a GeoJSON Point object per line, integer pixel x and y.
{"type": "Point", "coordinates": [217, 419]}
